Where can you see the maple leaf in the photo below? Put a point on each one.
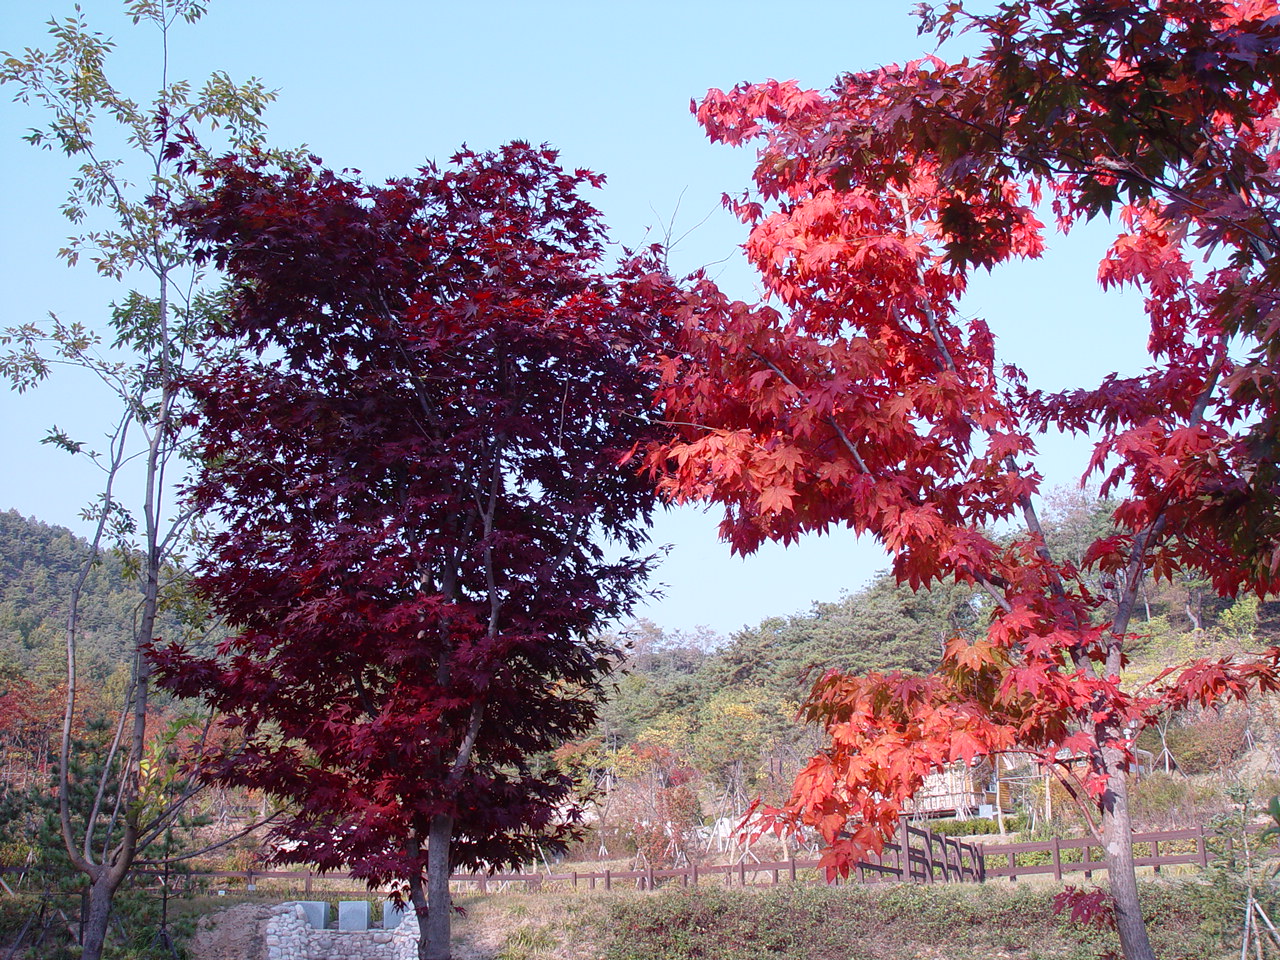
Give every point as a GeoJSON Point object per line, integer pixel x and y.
{"type": "Point", "coordinates": [972, 656]}
{"type": "Point", "coordinates": [776, 499]}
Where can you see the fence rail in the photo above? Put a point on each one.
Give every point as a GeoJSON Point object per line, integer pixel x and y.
{"type": "Point", "coordinates": [1189, 846]}
{"type": "Point", "coordinates": [929, 858]}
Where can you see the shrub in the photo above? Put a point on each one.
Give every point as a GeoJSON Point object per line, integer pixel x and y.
{"type": "Point", "coordinates": [1207, 743]}
{"type": "Point", "coordinates": [1171, 799]}
{"type": "Point", "coordinates": [978, 827]}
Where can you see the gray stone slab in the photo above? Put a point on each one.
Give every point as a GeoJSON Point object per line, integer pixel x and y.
{"type": "Point", "coordinates": [353, 915]}
{"type": "Point", "coordinates": [391, 915]}
{"type": "Point", "coordinates": [317, 912]}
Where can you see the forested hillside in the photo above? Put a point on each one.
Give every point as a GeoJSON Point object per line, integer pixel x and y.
{"type": "Point", "coordinates": [881, 627]}
{"type": "Point", "coordinates": [38, 564]}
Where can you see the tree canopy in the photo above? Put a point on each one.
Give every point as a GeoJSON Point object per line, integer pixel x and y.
{"type": "Point", "coordinates": [862, 395]}
{"type": "Point", "coordinates": [415, 485]}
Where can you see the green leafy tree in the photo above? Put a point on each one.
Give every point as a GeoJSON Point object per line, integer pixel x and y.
{"type": "Point", "coordinates": [1239, 622]}
{"type": "Point", "coordinates": [39, 563]}
{"type": "Point", "coordinates": [663, 671]}
{"type": "Point", "coordinates": [120, 208]}
{"type": "Point", "coordinates": [736, 730]}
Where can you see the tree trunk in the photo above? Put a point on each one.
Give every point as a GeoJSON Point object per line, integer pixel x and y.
{"type": "Point", "coordinates": [101, 893]}
{"type": "Point", "coordinates": [434, 929]}
{"type": "Point", "coordinates": [1117, 840]}
{"type": "Point", "coordinates": [999, 801]}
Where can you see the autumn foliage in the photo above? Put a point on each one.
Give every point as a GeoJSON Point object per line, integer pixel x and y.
{"type": "Point", "coordinates": [861, 394]}
{"type": "Point", "coordinates": [415, 483]}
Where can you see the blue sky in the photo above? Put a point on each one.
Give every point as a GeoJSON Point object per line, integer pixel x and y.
{"type": "Point", "coordinates": [382, 85]}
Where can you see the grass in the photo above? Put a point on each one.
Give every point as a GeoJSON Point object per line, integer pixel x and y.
{"type": "Point", "coordinates": [1188, 920]}
{"type": "Point", "coordinates": [528, 942]}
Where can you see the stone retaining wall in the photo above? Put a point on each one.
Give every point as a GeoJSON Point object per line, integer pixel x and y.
{"type": "Point", "coordinates": [289, 936]}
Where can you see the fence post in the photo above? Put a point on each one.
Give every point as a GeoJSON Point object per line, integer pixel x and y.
{"type": "Point", "coordinates": [1057, 859]}
{"type": "Point", "coordinates": [1086, 856]}
{"type": "Point", "coordinates": [608, 880]}
{"type": "Point", "coordinates": [1155, 855]}
{"type": "Point", "coordinates": [648, 880]}
{"type": "Point", "coordinates": [575, 879]}
{"type": "Point", "coordinates": [742, 873]}
{"type": "Point", "coordinates": [695, 874]}
{"type": "Point", "coordinates": [791, 863]}
{"type": "Point", "coordinates": [1203, 848]}
{"type": "Point", "coordinates": [307, 883]}
{"type": "Point", "coordinates": [904, 849]}
{"type": "Point", "coordinates": [1013, 868]}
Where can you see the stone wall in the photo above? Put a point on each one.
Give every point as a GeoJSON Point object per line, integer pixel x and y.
{"type": "Point", "coordinates": [290, 936]}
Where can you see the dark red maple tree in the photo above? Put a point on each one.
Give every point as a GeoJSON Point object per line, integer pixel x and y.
{"type": "Point", "coordinates": [864, 397]}
{"type": "Point", "coordinates": [415, 485]}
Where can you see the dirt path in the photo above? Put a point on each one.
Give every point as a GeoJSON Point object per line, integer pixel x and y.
{"type": "Point", "coordinates": [232, 934]}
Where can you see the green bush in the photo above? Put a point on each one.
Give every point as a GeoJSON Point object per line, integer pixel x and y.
{"type": "Point", "coordinates": [977, 827]}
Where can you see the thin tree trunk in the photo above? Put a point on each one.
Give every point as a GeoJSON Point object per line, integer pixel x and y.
{"type": "Point", "coordinates": [101, 894]}
{"type": "Point", "coordinates": [999, 800]}
{"type": "Point", "coordinates": [418, 896]}
{"type": "Point", "coordinates": [1117, 840]}
{"type": "Point", "coordinates": [434, 937]}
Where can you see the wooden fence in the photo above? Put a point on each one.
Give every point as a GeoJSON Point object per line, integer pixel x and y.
{"type": "Point", "coordinates": [929, 858]}
{"type": "Point", "coordinates": [1059, 857]}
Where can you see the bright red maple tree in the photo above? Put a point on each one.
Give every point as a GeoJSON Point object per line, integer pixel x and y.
{"type": "Point", "coordinates": [861, 396]}
{"type": "Point", "coordinates": [414, 486]}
